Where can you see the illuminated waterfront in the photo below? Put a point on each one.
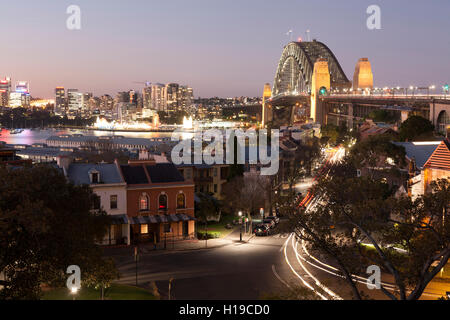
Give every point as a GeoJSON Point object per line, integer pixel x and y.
{"type": "Point", "coordinates": [40, 136]}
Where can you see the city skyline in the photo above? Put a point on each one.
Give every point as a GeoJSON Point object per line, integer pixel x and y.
{"type": "Point", "coordinates": [219, 49]}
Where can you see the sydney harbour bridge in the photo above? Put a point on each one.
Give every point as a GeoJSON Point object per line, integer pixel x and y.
{"type": "Point", "coordinates": [311, 86]}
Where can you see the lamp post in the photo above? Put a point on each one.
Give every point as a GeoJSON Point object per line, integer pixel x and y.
{"type": "Point", "coordinates": [74, 291]}
{"type": "Point", "coordinates": [240, 220]}
{"type": "Point", "coordinates": [136, 259]}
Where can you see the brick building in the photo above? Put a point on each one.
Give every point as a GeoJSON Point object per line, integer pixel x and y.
{"type": "Point", "coordinates": [160, 202]}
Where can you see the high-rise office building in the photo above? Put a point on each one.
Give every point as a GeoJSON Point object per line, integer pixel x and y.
{"type": "Point", "coordinates": [74, 101]}
{"type": "Point", "coordinates": [158, 102]}
{"type": "Point", "coordinates": [23, 87]}
{"type": "Point", "coordinates": [185, 97]}
{"type": "Point", "coordinates": [5, 90]}
{"type": "Point", "coordinates": [147, 98]}
{"type": "Point", "coordinates": [171, 97]}
{"type": "Point", "coordinates": [60, 101]}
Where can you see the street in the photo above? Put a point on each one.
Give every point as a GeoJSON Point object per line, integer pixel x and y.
{"type": "Point", "coordinates": [242, 271]}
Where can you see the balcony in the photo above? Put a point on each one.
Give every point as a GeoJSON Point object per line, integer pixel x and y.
{"type": "Point", "coordinates": [203, 180]}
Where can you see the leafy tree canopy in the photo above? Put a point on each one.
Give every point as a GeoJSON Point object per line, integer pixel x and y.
{"type": "Point", "coordinates": [46, 225]}
{"type": "Point", "coordinates": [416, 127]}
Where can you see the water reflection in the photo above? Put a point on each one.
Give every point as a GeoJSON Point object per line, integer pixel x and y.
{"type": "Point", "coordinates": [40, 136]}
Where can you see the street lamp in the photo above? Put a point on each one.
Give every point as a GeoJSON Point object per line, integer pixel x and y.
{"type": "Point", "coordinates": [74, 291]}
{"type": "Point", "coordinates": [240, 220]}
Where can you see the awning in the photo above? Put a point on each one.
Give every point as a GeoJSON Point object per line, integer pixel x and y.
{"type": "Point", "coordinates": [119, 219]}
{"type": "Point", "coordinates": [157, 219]}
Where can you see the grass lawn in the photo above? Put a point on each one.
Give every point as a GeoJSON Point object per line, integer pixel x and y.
{"type": "Point", "coordinates": [218, 227]}
{"type": "Point", "coordinates": [116, 292]}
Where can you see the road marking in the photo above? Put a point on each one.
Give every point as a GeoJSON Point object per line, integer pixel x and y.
{"type": "Point", "coordinates": [279, 278]}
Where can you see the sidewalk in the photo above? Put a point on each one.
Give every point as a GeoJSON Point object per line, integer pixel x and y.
{"type": "Point", "coordinates": [182, 246]}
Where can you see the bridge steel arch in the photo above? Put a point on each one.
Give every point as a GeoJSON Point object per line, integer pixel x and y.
{"type": "Point", "coordinates": [296, 66]}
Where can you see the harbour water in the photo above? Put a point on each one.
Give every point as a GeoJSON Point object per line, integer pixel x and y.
{"type": "Point", "coordinates": [29, 137]}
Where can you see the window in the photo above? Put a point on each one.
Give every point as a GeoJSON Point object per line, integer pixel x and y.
{"type": "Point", "coordinates": [216, 172]}
{"type": "Point", "coordinates": [215, 188]}
{"type": "Point", "coordinates": [188, 174]}
{"type": "Point", "coordinates": [163, 202]}
{"type": "Point", "coordinates": [181, 201]}
{"type": "Point", "coordinates": [113, 202]}
{"type": "Point", "coordinates": [167, 228]}
{"type": "Point", "coordinates": [144, 228]}
{"type": "Point", "coordinates": [144, 203]}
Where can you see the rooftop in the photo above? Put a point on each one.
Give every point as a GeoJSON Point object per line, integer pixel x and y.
{"type": "Point", "coordinates": [78, 173]}
{"type": "Point", "coordinates": [420, 151]}
{"type": "Point", "coordinates": [157, 172]}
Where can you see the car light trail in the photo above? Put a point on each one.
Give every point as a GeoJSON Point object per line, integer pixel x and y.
{"type": "Point", "coordinates": [296, 274]}
{"type": "Point", "coordinates": [318, 283]}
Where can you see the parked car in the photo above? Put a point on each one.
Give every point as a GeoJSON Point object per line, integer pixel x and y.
{"type": "Point", "coordinates": [261, 230]}
{"type": "Point", "coordinates": [270, 223]}
{"type": "Point", "coordinates": [276, 219]}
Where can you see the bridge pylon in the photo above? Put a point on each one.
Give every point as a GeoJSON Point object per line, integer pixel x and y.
{"type": "Point", "coordinates": [265, 108]}
{"type": "Point", "coordinates": [321, 79]}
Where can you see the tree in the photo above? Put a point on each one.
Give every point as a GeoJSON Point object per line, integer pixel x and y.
{"type": "Point", "coordinates": [416, 127]}
{"type": "Point", "coordinates": [246, 194]}
{"type": "Point", "coordinates": [101, 275]}
{"type": "Point", "coordinates": [207, 207]}
{"type": "Point", "coordinates": [336, 135]}
{"type": "Point", "coordinates": [46, 225]}
{"type": "Point", "coordinates": [351, 212]}
{"type": "Point", "coordinates": [375, 151]}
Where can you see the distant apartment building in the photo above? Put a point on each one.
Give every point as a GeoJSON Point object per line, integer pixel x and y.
{"type": "Point", "coordinates": [209, 179]}
{"type": "Point", "coordinates": [60, 101]}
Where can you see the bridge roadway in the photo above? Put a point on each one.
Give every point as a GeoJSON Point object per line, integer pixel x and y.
{"type": "Point", "coordinates": [429, 106]}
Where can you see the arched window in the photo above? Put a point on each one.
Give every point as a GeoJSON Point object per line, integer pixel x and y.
{"type": "Point", "coordinates": [443, 121]}
{"type": "Point", "coordinates": [144, 203]}
{"type": "Point", "coordinates": [163, 202]}
{"type": "Point", "coordinates": [181, 201]}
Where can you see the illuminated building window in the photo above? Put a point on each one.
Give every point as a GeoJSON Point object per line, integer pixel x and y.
{"type": "Point", "coordinates": [144, 203]}
{"type": "Point", "coordinates": [144, 228]}
{"type": "Point", "coordinates": [181, 201]}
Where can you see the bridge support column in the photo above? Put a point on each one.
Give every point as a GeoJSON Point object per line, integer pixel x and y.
{"type": "Point", "coordinates": [321, 79]}
{"type": "Point", "coordinates": [350, 114]}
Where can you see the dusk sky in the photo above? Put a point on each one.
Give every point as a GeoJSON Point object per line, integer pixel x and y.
{"type": "Point", "coordinates": [219, 47]}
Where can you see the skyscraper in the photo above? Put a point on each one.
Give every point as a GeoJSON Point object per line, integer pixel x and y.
{"type": "Point", "coordinates": [23, 87]}
{"type": "Point", "coordinates": [171, 97]}
{"type": "Point", "coordinates": [74, 101]}
{"type": "Point", "coordinates": [60, 101]}
{"type": "Point", "coordinates": [158, 97]}
{"type": "Point", "coordinates": [5, 90]}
